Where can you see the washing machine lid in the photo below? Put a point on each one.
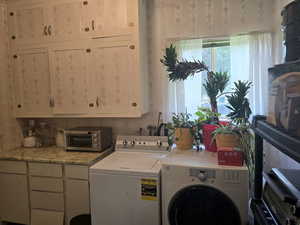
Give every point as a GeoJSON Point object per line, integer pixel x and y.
{"type": "Point", "coordinates": [132, 163]}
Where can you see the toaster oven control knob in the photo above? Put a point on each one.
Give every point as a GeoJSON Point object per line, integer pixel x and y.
{"type": "Point", "coordinates": [202, 176]}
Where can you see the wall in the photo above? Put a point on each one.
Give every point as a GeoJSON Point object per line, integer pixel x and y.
{"type": "Point", "coordinates": [178, 19]}
{"type": "Point", "coordinates": [9, 132]}
{"type": "Point", "coordinates": [274, 158]}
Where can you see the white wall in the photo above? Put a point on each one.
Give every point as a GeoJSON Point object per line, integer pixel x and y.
{"type": "Point", "coordinates": [177, 19]}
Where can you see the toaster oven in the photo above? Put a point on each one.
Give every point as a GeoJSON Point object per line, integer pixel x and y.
{"type": "Point", "coordinates": [88, 139]}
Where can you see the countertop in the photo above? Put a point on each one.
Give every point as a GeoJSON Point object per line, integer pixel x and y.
{"type": "Point", "coordinates": [53, 155]}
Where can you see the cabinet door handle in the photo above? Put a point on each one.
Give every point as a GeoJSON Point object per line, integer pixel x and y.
{"type": "Point", "coordinates": [51, 103]}
{"type": "Point", "coordinates": [45, 30]}
{"type": "Point", "coordinates": [93, 24]}
{"type": "Point", "coordinates": [49, 29]}
{"type": "Point", "coordinates": [97, 102]}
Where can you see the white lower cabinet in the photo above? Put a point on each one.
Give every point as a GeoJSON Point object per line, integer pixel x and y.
{"type": "Point", "coordinates": [77, 198]}
{"type": "Point", "coordinates": [43, 194]}
{"type": "Point", "coordinates": [44, 217]}
{"type": "Point", "coordinates": [14, 200]}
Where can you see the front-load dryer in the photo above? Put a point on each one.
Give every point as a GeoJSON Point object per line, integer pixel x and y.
{"type": "Point", "coordinates": [197, 191]}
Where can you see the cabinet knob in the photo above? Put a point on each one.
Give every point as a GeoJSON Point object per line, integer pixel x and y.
{"type": "Point", "coordinates": [15, 56]}
{"type": "Point", "coordinates": [11, 14]}
{"type": "Point", "coordinates": [132, 46]}
{"type": "Point", "coordinates": [85, 2]}
{"type": "Point", "coordinates": [13, 37]}
{"type": "Point", "coordinates": [19, 106]}
{"type": "Point", "coordinates": [91, 105]}
{"type": "Point", "coordinates": [88, 50]}
{"type": "Point", "coordinates": [86, 29]}
{"type": "Point", "coordinates": [134, 104]}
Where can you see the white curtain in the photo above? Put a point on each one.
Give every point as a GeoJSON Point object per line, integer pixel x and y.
{"type": "Point", "coordinates": [260, 53]}
{"type": "Point", "coordinates": [239, 58]}
{"type": "Point", "coordinates": [185, 96]}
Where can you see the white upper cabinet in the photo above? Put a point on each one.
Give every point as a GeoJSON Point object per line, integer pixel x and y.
{"type": "Point", "coordinates": [46, 22]}
{"type": "Point", "coordinates": [113, 18]}
{"type": "Point", "coordinates": [28, 23]}
{"type": "Point", "coordinates": [79, 58]}
{"type": "Point", "coordinates": [66, 20]}
{"type": "Point", "coordinates": [114, 78]}
{"type": "Point", "coordinates": [69, 79]}
{"type": "Point", "coordinates": [31, 82]}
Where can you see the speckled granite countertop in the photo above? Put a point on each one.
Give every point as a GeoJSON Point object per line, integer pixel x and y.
{"type": "Point", "coordinates": [53, 155]}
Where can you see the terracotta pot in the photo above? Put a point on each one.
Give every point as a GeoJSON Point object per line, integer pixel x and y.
{"type": "Point", "coordinates": [183, 138]}
{"type": "Point", "coordinates": [227, 140]}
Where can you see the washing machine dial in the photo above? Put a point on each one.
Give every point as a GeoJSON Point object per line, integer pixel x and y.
{"type": "Point", "coordinates": [202, 176]}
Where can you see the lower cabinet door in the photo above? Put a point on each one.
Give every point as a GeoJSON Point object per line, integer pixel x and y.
{"type": "Point", "coordinates": [77, 198]}
{"type": "Point", "coordinates": [14, 202]}
{"type": "Point", "coordinates": [43, 217]}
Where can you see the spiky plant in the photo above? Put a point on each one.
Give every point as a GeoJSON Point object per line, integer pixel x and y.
{"type": "Point", "coordinates": [238, 102]}
{"type": "Point", "coordinates": [215, 83]}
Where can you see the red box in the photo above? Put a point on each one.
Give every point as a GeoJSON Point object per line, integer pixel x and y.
{"type": "Point", "coordinates": [230, 158]}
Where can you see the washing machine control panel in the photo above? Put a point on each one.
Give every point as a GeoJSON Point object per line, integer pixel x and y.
{"type": "Point", "coordinates": [203, 174]}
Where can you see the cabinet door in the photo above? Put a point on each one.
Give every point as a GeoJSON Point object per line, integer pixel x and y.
{"type": "Point", "coordinates": [14, 205]}
{"type": "Point", "coordinates": [112, 18]}
{"type": "Point", "coordinates": [77, 204]}
{"type": "Point", "coordinates": [114, 79]}
{"type": "Point", "coordinates": [32, 82]}
{"type": "Point", "coordinates": [69, 79]}
{"type": "Point", "coordinates": [28, 24]}
{"type": "Point", "coordinates": [66, 20]}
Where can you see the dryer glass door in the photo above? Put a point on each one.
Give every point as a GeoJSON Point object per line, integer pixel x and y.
{"type": "Point", "coordinates": [202, 205]}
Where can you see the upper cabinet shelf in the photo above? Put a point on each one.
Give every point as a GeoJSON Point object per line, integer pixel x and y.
{"type": "Point", "coordinates": [280, 139]}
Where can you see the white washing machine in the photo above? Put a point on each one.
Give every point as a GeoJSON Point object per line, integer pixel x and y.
{"type": "Point", "coordinates": [196, 190]}
{"type": "Point", "coordinates": [125, 186]}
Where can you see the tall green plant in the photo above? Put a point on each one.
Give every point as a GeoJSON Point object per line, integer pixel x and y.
{"type": "Point", "coordinates": [238, 102]}
{"type": "Point", "coordinates": [214, 85]}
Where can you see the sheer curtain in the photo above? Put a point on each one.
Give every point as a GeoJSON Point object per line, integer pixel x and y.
{"type": "Point", "coordinates": [185, 96]}
{"type": "Point", "coordinates": [260, 52]}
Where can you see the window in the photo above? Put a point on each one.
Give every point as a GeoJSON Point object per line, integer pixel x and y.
{"type": "Point", "coordinates": [244, 57]}
{"type": "Point", "coordinates": [217, 55]}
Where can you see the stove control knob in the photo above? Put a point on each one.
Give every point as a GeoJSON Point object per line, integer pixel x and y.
{"type": "Point", "coordinates": [159, 143]}
{"type": "Point", "coordinates": [125, 142]}
{"type": "Point", "coordinates": [132, 143]}
{"type": "Point", "coordinates": [202, 176]}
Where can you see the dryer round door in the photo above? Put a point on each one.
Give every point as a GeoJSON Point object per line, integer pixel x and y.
{"type": "Point", "coordinates": [198, 204]}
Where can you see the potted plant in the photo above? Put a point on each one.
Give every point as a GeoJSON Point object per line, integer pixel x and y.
{"type": "Point", "coordinates": [214, 85]}
{"type": "Point", "coordinates": [182, 129]}
{"type": "Point", "coordinates": [229, 136]}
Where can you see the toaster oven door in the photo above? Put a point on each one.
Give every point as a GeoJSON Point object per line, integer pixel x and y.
{"type": "Point", "coordinates": [80, 142]}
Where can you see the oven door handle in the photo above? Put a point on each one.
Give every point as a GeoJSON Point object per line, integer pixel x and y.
{"type": "Point", "coordinates": [278, 188]}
